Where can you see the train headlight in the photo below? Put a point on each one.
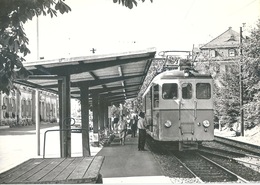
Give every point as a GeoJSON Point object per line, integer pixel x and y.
{"type": "Point", "coordinates": [206, 123]}
{"type": "Point", "coordinates": [168, 124]}
{"type": "Point", "coordinates": [186, 73]}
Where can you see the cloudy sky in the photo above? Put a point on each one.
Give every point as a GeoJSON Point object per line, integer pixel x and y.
{"type": "Point", "coordinates": [112, 28]}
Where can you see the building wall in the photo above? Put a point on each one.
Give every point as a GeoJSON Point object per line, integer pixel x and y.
{"type": "Point", "coordinates": [220, 53]}
{"type": "Point", "coordinates": [19, 108]}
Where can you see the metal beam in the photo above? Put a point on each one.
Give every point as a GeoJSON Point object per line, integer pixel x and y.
{"type": "Point", "coordinates": [102, 90]}
{"type": "Point", "coordinates": [119, 93]}
{"type": "Point", "coordinates": [43, 70]}
{"type": "Point", "coordinates": [120, 98]}
{"type": "Point", "coordinates": [92, 83]}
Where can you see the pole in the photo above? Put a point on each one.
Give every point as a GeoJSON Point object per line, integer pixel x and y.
{"type": "Point", "coordinates": [37, 107]}
{"type": "Point", "coordinates": [37, 29]}
{"type": "Point", "coordinates": [241, 85]}
{"type": "Point", "coordinates": [37, 121]}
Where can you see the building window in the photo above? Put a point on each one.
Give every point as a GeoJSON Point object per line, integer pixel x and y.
{"type": "Point", "coordinates": [231, 53]}
{"type": "Point", "coordinates": [13, 108]}
{"type": "Point", "coordinates": [212, 53]}
{"type": "Point", "coordinates": [23, 108]}
{"type": "Point", "coordinates": [29, 109]}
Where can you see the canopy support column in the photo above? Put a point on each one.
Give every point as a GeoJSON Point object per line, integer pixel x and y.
{"type": "Point", "coordinates": [85, 120]}
{"type": "Point", "coordinates": [101, 113]}
{"type": "Point", "coordinates": [64, 110]}
{"type": "Point", "coordinates": [95, 119]}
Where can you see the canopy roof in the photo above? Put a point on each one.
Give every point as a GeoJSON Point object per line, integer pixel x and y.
{"type": "Point", "coordinates": [117, 76]}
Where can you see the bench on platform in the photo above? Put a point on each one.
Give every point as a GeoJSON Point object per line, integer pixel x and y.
{"type": "Point", "coordinates": [72, 170]}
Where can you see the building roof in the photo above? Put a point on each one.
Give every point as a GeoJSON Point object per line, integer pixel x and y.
{"type": "Point", "coordinates": [117, 76]}
{"type": "Point", "coordinates": [229, 38]}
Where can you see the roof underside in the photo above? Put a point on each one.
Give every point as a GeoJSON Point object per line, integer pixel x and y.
{"type": "Point", "coordinates": [115, 76]}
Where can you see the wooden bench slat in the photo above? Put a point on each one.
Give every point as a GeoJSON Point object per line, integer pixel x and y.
{"type": "Point", "coordinates": [31, 172]}
{"type": "Point", "coordinates": [12, 170]}
{"type": "Point", "coordinates": [47, 169]}
{"type": "Point", "coordinates": [93, 171]}
{"type": "Point", "coordinates": [56, 171]}
{"type": "Point", "coordinates": [67, 171]}
{"type": "Point", "coordinates": [81, 169]}
{"type": "Point", "coordinates": [21, 169]}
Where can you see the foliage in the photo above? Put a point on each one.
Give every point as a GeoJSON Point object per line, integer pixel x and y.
{"type": "Point", "coordinates": [128, 3]}
{"type": "Point", "coordinates": [13, 40]}
{"type": "Point", "coordinates": [226, 88]}
{"type": "Point", "coordinates": [115, 111]}
{"type": "Point", "coordinates": [155, 68]}
{"type": "Point", "coordinates": [251, 76]}
{"type": "Point", "coordinates": [133, 105]}
{"type": "Point", "coordinates": [226, 85]}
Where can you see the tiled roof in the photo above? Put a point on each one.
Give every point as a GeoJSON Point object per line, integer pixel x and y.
{"type": "Point", "coordinates": [229, 38]}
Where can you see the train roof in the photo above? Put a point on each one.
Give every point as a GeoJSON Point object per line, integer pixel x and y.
{"type": "Point", "coordinates": [177, 74]}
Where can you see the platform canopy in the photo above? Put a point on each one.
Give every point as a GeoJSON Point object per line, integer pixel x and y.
{"type": "Point", "coordinates": [116, 77]}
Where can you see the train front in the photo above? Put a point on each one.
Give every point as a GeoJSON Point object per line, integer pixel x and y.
{"type": "Point", "coordinates": [179, 108]}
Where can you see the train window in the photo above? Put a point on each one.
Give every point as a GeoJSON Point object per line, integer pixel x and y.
{"type": "Point", "coordinates": [170, 91]}
{"type": "Point", "coordinates": [186, 90]}
{"type": "Point", "coordinates": [156, 96]}
{"type": "Point", "coordinates": [203, 91]}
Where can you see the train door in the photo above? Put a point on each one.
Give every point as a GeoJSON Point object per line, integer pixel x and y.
{"type": "Point", "coordinates": [169, 110]}
{"type": "Point", "coordinates": [153, 125]}
{"type": "Point", "coordinates": [204, 110]}
{"type": "Point", "coordinates": [186, 110]}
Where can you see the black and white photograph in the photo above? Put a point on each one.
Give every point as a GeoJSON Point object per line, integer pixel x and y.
{"type": "Point", "coordinates": [129, 91]}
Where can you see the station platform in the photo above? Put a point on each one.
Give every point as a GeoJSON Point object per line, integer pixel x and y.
{"type": "Point", "coordinates": [125, 164]}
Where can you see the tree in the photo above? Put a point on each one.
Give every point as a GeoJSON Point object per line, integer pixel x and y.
{"type": "Point", "coordinates": [226, 89]}
{"type": "Point", "coordinates": [128, 3]}
{"type": "Point", "coordinates": [13, 40]}
{"type": "Point", "coordinates": [251, 76]}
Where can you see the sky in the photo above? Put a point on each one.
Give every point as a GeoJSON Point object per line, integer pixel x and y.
{"type": "Point", "coordinates": [113, 28]}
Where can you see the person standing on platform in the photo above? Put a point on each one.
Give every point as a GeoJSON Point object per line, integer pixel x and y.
{"type": "Point", "coordinates": [141, 124]}
{"type": "Point", "coordinates": [115, 122]}
{"type": "Point", "coordinates": [122, 128]}
{"type": "Point", "coordinates": [134, 125]}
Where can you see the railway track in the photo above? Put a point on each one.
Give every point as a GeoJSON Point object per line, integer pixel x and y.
{"type": "Point", "coordinates": [190, 165]}
{"type": "Point", "coordinates": [253, 149]}
{"type": "Point", "coordinates": [248, 160]}
{"type": "Point", "coordinates": [205, 169]}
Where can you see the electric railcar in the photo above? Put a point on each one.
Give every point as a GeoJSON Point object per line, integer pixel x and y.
{"type": "Point", "coordinates": [179, 108]}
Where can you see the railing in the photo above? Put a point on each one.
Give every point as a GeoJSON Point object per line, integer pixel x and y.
{"type": "Point", "coordinates": [45, 133]}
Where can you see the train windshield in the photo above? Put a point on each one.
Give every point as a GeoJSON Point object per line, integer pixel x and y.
{"type": "Point", "coordinates": [186, 91]}
{"type": "Point", "coordinates": [203, 91]}
{"type": "Point", "coordinates": [170, 91]}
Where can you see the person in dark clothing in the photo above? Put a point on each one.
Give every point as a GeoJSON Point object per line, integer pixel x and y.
{"type": "Point", "coordinates": [115, 122]}
{"type": "Point", "coordinates": [141, 124]}
{"type": "Point", "coordinates": [134, 125]}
